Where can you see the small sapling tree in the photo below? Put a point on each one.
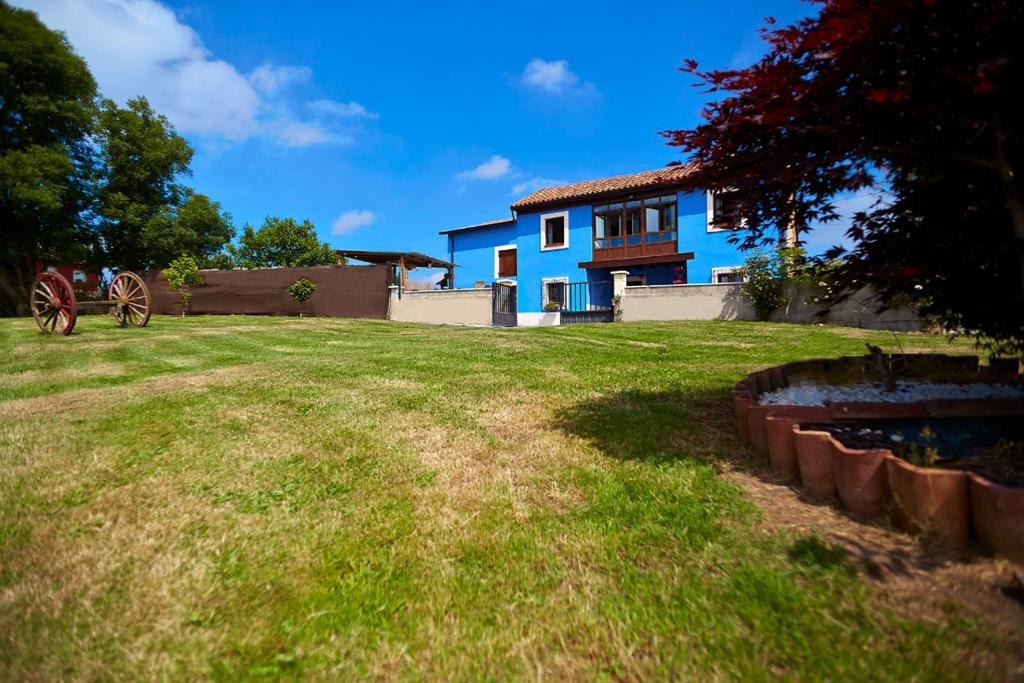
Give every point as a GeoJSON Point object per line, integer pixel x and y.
{"type": "Point", "coordinates": [301, 290]}
{"type": "Point", "coordinates": [182, 274]}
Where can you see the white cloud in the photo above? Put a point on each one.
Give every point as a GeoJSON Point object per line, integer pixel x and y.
{"type": "Point", "coordinates": [352, 220]}
{"type": "Point", "coordinates": [351, 110]}
{"type": "Point", "coordinates": [495, 167]}
{"type": "Point", "coordinates": [268, 78]}
{"type": "Point", "coordinates": [551, 77]}
{"type": "Point", "coordinates": [303, 134]}
{"type": "Point", "coordinates": [533, 184]}
{"type": "Point", "coordinates": [139, 47]}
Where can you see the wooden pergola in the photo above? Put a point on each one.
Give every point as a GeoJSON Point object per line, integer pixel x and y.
{"type": "Point", "coordinates": [403, 260]}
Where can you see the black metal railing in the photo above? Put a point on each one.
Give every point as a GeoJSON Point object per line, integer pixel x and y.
{"type": "Point", "coordinates": [582, 301]}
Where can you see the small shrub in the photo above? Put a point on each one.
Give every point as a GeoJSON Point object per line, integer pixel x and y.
{"type": "Point", "coordinates": [765, 276]}
{"type": "Point", "coordinates": [762, 285]}
{"type": "Point", "coordinates": [552, 306]}
{"type": "Point", "coordinates": [182, 274]}
{"type": "Point", "coordinates": [301, 290]}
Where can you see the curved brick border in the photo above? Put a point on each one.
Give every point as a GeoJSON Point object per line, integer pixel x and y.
{"type": "Point", "coordinates": [953, 505]}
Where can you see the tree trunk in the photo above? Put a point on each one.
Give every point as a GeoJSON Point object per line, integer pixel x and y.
{"type": "Point", "coordinates": [1011, 192]}
{"type": "Point", "coordinates": [1013, 201]}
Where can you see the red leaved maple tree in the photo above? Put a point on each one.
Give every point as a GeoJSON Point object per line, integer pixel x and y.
{"type": "Point", "coordinates": [920, 99]}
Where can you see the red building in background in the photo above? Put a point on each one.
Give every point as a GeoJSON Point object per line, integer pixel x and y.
{"type": "Point", "coordinates": [81, 277]}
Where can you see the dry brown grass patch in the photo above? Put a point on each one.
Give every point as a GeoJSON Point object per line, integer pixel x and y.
{"type": "Point", "coordinates": [917, 577]}
{"type": "Point", "coordinates": [85, 400]}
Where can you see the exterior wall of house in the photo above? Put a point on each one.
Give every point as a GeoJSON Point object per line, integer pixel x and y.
{"type": "Point", "coordinates": [536, 265]}
{"type": "Point", "coordinates": [710, 249]}
{"type": "Point", "coordinates": [473, 252]}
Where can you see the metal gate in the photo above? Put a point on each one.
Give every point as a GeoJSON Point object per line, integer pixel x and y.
{"type": "Point", "coordinates": [503, 305]}
{"type": "Point", "coordinates": [585, 302]}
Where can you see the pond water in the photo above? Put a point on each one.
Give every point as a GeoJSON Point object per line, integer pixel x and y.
{"type": "Point", "coordinates": [989, 446]}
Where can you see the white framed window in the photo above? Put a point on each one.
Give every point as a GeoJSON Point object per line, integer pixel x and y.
{"type": "Point", "coordinates": [720, 207]}
{"type": "Point", "coordinates": [78, 276]}
{"type": "Point", "coordinates": [554, 289]}
{"type": "Point", "coordinates": [554, 231]}
{"type": "Point", "coordinates": [727, 274]}
{"type": "Point", "coordinates": [505, 261]}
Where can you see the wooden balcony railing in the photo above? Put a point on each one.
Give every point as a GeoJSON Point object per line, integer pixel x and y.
{"type": "Point", "coordinates": [631, 246]}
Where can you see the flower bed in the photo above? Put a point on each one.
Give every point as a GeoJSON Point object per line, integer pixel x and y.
{"type": "Point", "coordinates": [867, 476]}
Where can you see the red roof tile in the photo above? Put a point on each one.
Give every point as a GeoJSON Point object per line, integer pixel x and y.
{"type": "Point", "coordinates": [659, 177]}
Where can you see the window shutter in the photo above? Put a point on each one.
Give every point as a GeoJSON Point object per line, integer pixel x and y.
{"type": "Point", "coordinates": [507, 263]}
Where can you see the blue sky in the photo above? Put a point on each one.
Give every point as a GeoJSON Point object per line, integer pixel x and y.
{"type": "Point", "coordinates": [386, 122]}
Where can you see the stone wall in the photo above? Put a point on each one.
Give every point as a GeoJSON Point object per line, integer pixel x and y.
{"type": "Point", "coordinates": [441, 306]}
{"type": "Point", "coordinates": [727, 302]}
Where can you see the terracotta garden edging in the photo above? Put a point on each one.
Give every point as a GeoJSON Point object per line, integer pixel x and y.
{"type": "Point", "coordinates": [929, 500]}
{"type": "Point", "coordinates": [952, 505]}
{"type": "Point", "coordinates": [814, 456]}
{"type": "Point", "coordinates": [861, 481]}
{"type": "Point", "coordinates": [997, 513]}
{"type": "Point", "coordinates": [779, 433]}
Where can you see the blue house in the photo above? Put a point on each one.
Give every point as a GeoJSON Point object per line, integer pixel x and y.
{"type": "Point", "coordinates": [561, 244]}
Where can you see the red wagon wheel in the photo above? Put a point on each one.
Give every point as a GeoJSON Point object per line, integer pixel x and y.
{"type": "Point", "coordinates": [53, 303]}
{"type": "Point", "coordinates": [131, 297]}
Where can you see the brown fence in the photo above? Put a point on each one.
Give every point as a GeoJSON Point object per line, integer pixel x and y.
{"type": "Point", "coordinates": [342, 292]}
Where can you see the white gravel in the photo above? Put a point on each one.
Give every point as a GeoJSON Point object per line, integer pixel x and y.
{"type": "Point", "coordinates": [811, 394]}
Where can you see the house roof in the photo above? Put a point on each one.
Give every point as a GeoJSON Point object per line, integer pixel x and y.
{"type": "Point", "coordinates": [659, 177]}
{"type": "Point", "coordinates": [477, 226]}
{"type": "Point", "coordinates": [412, 259]}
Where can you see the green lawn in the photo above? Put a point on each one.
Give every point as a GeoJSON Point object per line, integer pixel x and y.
{"type": "Point", "coordinates": [232, 497]}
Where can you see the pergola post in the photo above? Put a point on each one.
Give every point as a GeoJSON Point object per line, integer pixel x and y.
{"type": "Point", "coordinates": [405, 273]}
{"type": "Point", "coordinates": [451, 277]}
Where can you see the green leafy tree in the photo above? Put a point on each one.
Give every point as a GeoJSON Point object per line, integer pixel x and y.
{"type": "Point", "coordinates": [219, 261]}
{"type": "Point", "coordinates": [281, 243]}
{"type": "Point", "coordinates": [147, 215]}
{"type": "Point", "coordinates": [198, 227]}
{"type": "Point", "coordinates": [301, 290]}
{"type": "Point", "coordinates": [143, 158]}
{"type": "Point", "coordinates": [181, 274]}
{"type": "Point", "coordinates": [47, 111]}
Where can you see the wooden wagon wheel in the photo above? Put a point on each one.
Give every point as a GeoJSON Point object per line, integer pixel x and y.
{"type": "Point", "coordinates": [53, 303]}
{"type": "Point", "coordinates": [131, 298]}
